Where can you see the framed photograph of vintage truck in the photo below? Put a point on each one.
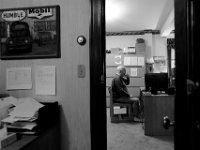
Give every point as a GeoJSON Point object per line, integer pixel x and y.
{"type": "Point", "coordinates": [30, 33]}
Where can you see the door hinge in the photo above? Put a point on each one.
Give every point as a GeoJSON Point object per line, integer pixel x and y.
{"type": "Point", "coordinates": [198, 125]}
{"type": "Point", "coordinates": [102, 79]}
{"type": "Point", "coordinates": [191, 86]}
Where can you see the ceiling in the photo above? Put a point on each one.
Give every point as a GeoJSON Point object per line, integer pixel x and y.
{"type": "Point", "coordinates": [136, 15]}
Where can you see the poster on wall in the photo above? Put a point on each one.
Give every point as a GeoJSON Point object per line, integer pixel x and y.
{"type": "Point", "coordinates": [160, 64]}
{"type": "Point", "coordinates": [45, 80]}
{"type": "Point", "coordinates": [28, 33]}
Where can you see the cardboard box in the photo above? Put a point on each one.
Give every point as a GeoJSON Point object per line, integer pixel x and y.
{"type": "Point", "coordinates": [118, 110]}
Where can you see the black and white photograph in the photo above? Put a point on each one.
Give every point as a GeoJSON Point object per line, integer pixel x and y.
{"type": "Point", "coordinates": [99, 75]}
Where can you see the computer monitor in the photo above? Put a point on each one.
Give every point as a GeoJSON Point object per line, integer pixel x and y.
{"type": "Point", "coordinates": [155, 82]}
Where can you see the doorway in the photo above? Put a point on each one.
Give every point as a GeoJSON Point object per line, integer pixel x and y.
{"type": "Point", "coordinates": [112, 49]}
{"type": "Point", "coordinates": [187, 45]}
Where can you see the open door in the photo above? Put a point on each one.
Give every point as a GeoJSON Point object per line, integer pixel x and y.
{"type": "Point", "coordinates": [187, 102]}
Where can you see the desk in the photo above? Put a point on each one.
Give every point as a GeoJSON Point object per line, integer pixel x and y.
{"type": "Point", "coordinates": [155, 108]}
{"type": "Point", "coordinates": [48, 133]}
{"type": "Point", "coordinates": [48, 140]}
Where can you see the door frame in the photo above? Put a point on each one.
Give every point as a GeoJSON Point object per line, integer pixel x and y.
{"type": "Point", "coordinates": [182, 130]}
{"type": "Point", "coordinates": [181, 74]}
{"type": "Point", "coordinates": [97, 76]}
{"type": "Point", "coordinates": [187, 130]}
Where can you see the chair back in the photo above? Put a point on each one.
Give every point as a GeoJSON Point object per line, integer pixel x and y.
{"type": "Point", "coordinates": [117, 117]}
{"type": "Point", "coordinates": [111, 100]}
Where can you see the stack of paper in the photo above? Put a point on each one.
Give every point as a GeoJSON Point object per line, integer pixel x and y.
{"type": "Point", "coordinates": [24, 114]}
{"type": "Point", "coordinates": [10, 100]}
{"type": "Point", "coordinates": [22, 125]}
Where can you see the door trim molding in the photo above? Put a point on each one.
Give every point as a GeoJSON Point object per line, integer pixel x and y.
{"type": "Point", "coordinates": [97, 76]}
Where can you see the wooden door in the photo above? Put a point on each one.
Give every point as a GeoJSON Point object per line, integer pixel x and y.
{"type": "Point", "coordinates": [187, 104]}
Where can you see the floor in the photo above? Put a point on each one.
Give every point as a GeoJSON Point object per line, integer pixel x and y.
{"type": "Point", "coordinates": [130, 136]}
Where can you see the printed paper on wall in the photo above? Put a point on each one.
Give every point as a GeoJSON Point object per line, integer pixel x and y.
{"type": "Point", "coordinates": [18, 78]}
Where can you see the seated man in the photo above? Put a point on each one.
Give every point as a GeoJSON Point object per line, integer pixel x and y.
{"type": "Point", "coordinates": [120, 91]}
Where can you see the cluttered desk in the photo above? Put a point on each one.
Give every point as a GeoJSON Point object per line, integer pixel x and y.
{"type": "Point", "coordinates": [28, 124]}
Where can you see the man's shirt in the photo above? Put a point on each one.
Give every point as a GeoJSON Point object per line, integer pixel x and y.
{"type": "Point", "coordinates": [119, 88]}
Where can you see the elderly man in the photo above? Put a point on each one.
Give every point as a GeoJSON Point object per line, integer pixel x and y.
{"type": "Point", "coordinates": [120, 91]}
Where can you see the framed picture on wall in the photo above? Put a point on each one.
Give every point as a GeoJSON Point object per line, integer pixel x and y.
{"type": "Point", "coordinates": [30, 33]}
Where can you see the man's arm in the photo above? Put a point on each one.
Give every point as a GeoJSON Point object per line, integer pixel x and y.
{"type": "Point", "coordinates": [126, 79]}
{"type": "Point", "coordinates": [119, 88]}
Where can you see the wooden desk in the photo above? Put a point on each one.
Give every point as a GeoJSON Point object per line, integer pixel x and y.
{"type": "Point", "coordinates": [48, 140]}
{"type": "Point", "coordinates": [155, 108]}
{"type": "Point", "coordinates": [48, 131]}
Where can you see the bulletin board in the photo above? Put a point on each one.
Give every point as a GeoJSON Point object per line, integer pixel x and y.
{"type": "Point", "coordinates": [28, 33]}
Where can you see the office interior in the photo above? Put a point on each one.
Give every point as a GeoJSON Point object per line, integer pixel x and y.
{"type": "Point", "coordinates": [72, 90]}
{"type": "Point", "coordinates": [144, 53]}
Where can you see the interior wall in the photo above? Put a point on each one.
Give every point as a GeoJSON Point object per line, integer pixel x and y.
{"type": "Point", "coordinates": [71, 92]}
{"type": "Point", "coordinates": [122, 42]}
{"type": "Point", "coordinates": [155, 44]}
{"type": "Point", "coordinates": [160, 45]}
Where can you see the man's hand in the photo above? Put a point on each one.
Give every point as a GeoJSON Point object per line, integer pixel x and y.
{"type": "Point", "coordinates": [126, 76]}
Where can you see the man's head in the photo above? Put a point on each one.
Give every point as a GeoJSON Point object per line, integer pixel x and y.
{"type": "Point", "coordinates": [121, 70]}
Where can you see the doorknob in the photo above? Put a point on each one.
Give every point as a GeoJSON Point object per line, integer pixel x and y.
{"type": "Point", "coordinates": [81, 40]}
{"type": "Point", "coordinates": [167, 122]}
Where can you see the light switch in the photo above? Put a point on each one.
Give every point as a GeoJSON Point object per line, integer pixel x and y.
{"type": "Point", "coordinates": [81, 71]}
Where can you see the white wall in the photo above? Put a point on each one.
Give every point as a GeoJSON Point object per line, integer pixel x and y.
{"type": "Point", "coordinates": [73, 93]}
{"type": "Point", "coordinates": [121, 41]}
{"type": "Point", "coordinates": [159, 46]}
{"type": "Point", "coordinates": [155, 44]}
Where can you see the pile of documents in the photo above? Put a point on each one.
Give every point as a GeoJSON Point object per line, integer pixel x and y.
{"type": "Point", "coordinates": [23, 116]}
